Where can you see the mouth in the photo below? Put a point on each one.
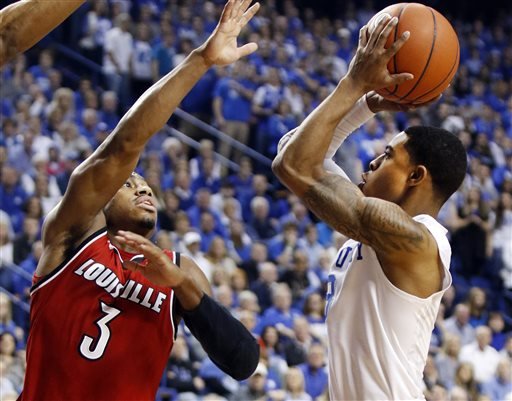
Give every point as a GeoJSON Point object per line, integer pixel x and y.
{"type": "Point", "coordinates": [362, 183]}
{"type": "Point", "coordinates": [146, 203]}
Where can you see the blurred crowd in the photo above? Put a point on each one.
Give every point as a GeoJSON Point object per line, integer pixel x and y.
{"type": "Point", "coordinates": [265, 255]}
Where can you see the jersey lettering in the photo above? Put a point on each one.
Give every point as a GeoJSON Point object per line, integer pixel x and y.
{"type": "Point", "coordinates": [135, 292]}
{"type": "Point", "coordinates": [96, 351]}
{"type": "Point", "coordinates": [346, 256]}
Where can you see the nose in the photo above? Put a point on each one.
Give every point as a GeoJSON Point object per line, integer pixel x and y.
{"type": "Point", "coordinates": [143, 189]}
{"type": "Point", "coordinates": [375, 163]}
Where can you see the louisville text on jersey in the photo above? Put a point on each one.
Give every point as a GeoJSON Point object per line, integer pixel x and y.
{"type": "Point", "coordinates": [131, 290]}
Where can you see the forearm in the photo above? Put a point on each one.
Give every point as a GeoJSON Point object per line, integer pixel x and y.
{"type": "Point", "coordinates": [188, 293]}
{"type": "Point", "coordinates": [24, 23]}
{"type": "Point", "coordinates": [154, 108]}
{"type": "Point", "coordinates": [307, 148]}
{"type": "Point", "coordinates": [237, 355]}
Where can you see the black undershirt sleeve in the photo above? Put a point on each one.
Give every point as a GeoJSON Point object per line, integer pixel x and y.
{"type": "Point", "coordinates": [226, 341]}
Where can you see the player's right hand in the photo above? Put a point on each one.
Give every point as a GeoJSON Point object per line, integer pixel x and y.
{"type": "Point", "coordinates": [368, 69]}
{"type": "Point", "coordinates": [221, 47]}
{"type": "Point", "coordinates": [157, 266]}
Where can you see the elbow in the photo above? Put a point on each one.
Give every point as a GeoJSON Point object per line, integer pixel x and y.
{"type": "Point", "coordinates": [247, 357]}
{"type": "Point", "coordinates": [284, 168]}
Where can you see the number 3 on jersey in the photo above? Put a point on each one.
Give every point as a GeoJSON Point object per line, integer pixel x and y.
{"type": "Point", "coordinates": [96, 351]}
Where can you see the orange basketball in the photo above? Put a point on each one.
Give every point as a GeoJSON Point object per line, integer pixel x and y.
{"type": "Point", "coordinates": [431, 54]}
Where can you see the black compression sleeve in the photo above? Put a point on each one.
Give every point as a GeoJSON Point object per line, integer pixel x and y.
{"type": "Point", "coordinates": [226, 341]}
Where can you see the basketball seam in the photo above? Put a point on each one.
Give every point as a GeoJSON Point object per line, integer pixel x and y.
{"type": "Point", "coordinates": [444, 79]}
{"type": "Point", "coordinates": [428, 59]}
{"type": "Point", "coordinates": [394, 40]}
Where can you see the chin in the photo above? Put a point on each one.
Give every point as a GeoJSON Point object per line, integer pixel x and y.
{"type": "Point", "coordinates": [147, 223]}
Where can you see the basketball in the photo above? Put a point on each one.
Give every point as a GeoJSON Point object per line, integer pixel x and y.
{"type": "Point", "coordinates": [431, 53]}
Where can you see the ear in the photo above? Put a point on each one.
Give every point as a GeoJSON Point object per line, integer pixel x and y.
{"type": "Point", "coordinates": [418, 175]}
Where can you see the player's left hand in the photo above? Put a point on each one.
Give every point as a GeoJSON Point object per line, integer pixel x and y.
{"type": "Point", "coordinates": [221, 47]}
{"type": "Point", "coordinates": [376, 103]}
{"type": "Point", "coordinates": [157, 266]}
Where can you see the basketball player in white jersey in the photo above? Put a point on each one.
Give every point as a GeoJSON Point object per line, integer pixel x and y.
{"type": "Point", "coordinates": [386, 283]}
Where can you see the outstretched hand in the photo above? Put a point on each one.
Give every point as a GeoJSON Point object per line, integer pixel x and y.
{"type": "Point", "coordinates": [368, 69]}
{"type": "Point", "coordinates": [221, 48]}
{"type": "Point", "coordinates": [157, 267]}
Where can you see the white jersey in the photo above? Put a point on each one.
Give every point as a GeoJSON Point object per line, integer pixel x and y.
{"type": "Point", "coordinates": [379, 335]}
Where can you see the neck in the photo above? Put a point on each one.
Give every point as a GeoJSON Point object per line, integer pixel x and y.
{"type": "Point", "coordinates": [420, 203]}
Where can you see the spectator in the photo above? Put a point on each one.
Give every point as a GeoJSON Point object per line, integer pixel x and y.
{"type": "Point", "coordinates": [299, 277]}
{"type": "Point", "coordinates": [22, 245]}
{"type": "Point", "coordinates": [481, 355]}
{"type": "Point", "coordinates": [192, 248]}
{"type": "Point", "coordinates": [280, 314]}
{"type": "Point", "coordinates": [500, 385]}
{"type": "Point", "coordinates": [163, 55]}
{"type": "Point", "coordinates": [497, 326]}
{"type": "Point", "coordinates": [182, 371]}
{"type": "Point", "coordinates": [447, 360]}
{"type": "Point", "coordinates": [263, 286]}
{"type": "Point", "coordinates": [465, 380]}
{"type": "Point", "coordinates": [108, 112]}
{"type": "Point", "coordinates": [116, 57]}
{"type": "Point", "coordinates": [477, 302]}
{"type": "Point", "coordinates": [314, 311]}
{"type": "Point", "coordinates": [6, 243]}
{"type": "Point", "coordinates": [255, 388]}
{"type": "Point", "coordinates": [282, 246]}
{"type": "Point", "coordinates": [232, 107]}
{"type": "Point", "coordinates": [217, 257]}
{"type": "Point", "coordinates": [458, 324]}
{"type": "Point", "coordinates": [314, 371]}
{"type": "Point", "coordinates": [294, 387]}
{"type": "Point", "coordinates": [262, 227]}
{"type": "Point", "coordinates": [141, 64]}
{"type": "Point", "coordinates": [257, 256]}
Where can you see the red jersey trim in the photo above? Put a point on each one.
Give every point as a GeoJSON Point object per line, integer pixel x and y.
{"type": "Point", "coordinates": [42, 281]}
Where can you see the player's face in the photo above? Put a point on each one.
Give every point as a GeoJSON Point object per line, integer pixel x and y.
{"type": "Point", "coordinates": [132, 207]}
{"type": "Point", "coordinates": [388, 174]}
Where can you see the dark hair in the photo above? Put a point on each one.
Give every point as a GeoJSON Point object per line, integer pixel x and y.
{"type": "Point", "coordinates": [442, 153]}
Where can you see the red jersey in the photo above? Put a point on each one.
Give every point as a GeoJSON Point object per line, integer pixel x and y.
{"type": "Point", "coordinates": [98, 332]}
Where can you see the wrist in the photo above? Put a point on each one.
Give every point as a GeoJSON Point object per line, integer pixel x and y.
{"type": "Point", "coordinates": [200, 54]}
{"type": "Point", "coordinates": [353, 87]}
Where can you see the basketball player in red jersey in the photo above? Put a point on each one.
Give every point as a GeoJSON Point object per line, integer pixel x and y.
{"type": "Point", "coordinates": [25, 22]}
{"type": "Point", "coordinates": [106, 301]}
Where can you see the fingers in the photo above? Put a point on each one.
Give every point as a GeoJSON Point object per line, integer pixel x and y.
{"type": "Point", "coordinates": [397, 45]}
{"type": "Point", "coordinates": [374, 35]}
{"type": "Point", "coordinates": [138, 243]}
{"type": "Point", "coordinates": [242, 6]}
{"type": "Point", "coordinates": [397, 79]}
{"type": "Point", "coordinates": [133, 266]}
{"type": "Point", "coordinates": [385, 32]}
{"type": "Point", "coordinates": [247, 16]}
{"type": "Point", "coordinates": [247, 49]}
{"type": "Point", "coordinates": [227, 12]}
{"type": "Point", "coordinates": [363, 36]}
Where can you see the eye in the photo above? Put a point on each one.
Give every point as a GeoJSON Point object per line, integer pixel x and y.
{"type": "Point", "coordinates": [127, 184]}
{"type": "Point", "coordinates": [387, 155]}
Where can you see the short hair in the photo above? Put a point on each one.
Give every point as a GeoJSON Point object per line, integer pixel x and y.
{"type": "Point", "coordinates": [442, 153]}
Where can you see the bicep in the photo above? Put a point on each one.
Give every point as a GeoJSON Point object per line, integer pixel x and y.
{"type": "Point", "coordinates": [91, 186]}
{"type": "Point", "coordinates": [383, 225]}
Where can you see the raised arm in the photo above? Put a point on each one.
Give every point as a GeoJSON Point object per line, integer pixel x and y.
{"type": "Point", "coordinates": [97, 179]}
{"type": "Point", "coordinates": [333, 198]}
{"type": "Point", "coordinates": [26, 22]}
